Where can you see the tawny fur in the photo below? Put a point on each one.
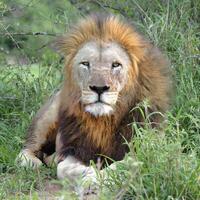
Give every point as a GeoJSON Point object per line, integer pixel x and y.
{"type": "Point", "coordinates": [148, 78]}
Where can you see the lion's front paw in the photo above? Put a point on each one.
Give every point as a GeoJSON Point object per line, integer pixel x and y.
{"type": "Point", "coordinates": [26, 158]}
{"type": "Point", "coordinates": [86, 186]}
{"type": "Point", "coordinates": [72, 168]}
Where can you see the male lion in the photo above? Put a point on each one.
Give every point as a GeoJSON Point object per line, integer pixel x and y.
{"type": "Point", "coordinates": [109, 69]}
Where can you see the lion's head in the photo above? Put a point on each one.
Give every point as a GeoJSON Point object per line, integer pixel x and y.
{"type": "Point", "coordinates": [108, 63]}
{"type": "Point", "coordinates": [100, 70]}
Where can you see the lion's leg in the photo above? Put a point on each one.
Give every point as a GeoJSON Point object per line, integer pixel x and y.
{"type": "Point", "coordinates": [41, 135]}
{"type": "Point", "coordinates": [74, 170]}
{"type": "Point", "coordinates": [68, 165]}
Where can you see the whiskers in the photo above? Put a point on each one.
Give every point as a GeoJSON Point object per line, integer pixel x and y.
{"type": "Point", "coordinates": [119, 98]}
{"type": "Point", "coordinates": [109, 97]}
{"type": "Point", "coordinates": [89, 97]}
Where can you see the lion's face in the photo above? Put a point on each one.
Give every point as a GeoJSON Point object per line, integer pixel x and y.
{"type": "Point", "coordinates": [101, 71]}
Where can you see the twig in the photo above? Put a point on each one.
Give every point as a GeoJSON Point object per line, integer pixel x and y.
{"type": "Point", "coordinates": [30, 33]}
{"type": "Point", "coordinates": [10, 36]}
{"type": "Point", "coordinates": [15, 42]}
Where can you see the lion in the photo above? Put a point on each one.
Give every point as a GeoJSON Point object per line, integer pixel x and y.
{"type": "Point", "coordinates": [110, 68]}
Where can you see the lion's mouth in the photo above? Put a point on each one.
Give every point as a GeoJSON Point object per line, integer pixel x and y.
{"type": "Point", "coordinates": [99, 102]}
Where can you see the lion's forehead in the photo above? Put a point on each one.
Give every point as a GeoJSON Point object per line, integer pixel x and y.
{"type": "Point", "coordinates": [100, 53]}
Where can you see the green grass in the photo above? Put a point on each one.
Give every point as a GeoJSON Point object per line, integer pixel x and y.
{"type": "Point", "coordinates": [157, 167]}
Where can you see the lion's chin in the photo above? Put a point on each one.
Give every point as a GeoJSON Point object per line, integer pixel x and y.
{"type": "Point", "coordinates": [99, 109]}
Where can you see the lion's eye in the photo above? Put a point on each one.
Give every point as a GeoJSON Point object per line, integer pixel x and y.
{"type": "Point", "coordinates": [85, 63]}
{"type": "Point", "coordinates": [116, 65]}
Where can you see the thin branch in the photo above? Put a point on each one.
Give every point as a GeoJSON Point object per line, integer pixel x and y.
{"type": "Point", "coordinates": [11, 37]}
{"type": "Point", "coordinates": [15, 42]}
{"type": "Point", "coordinates": [30, 33]}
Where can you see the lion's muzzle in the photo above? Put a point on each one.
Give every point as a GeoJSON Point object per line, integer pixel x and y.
{"type": "Point", "coordinates": [99, 101]}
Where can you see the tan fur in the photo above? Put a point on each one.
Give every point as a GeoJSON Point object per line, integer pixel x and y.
{"type": "Point", "coordinates": [148, 77]}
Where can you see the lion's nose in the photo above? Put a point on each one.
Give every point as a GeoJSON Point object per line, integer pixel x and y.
{"type": "Point", "coordinates": [99, 90]}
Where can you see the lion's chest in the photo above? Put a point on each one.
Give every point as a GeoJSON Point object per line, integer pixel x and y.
{"type": "Point", "coordinates": [89, 139]}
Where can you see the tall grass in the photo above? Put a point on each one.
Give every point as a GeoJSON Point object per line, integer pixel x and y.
{"type": "Point", "coordinates": [157, 167]}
